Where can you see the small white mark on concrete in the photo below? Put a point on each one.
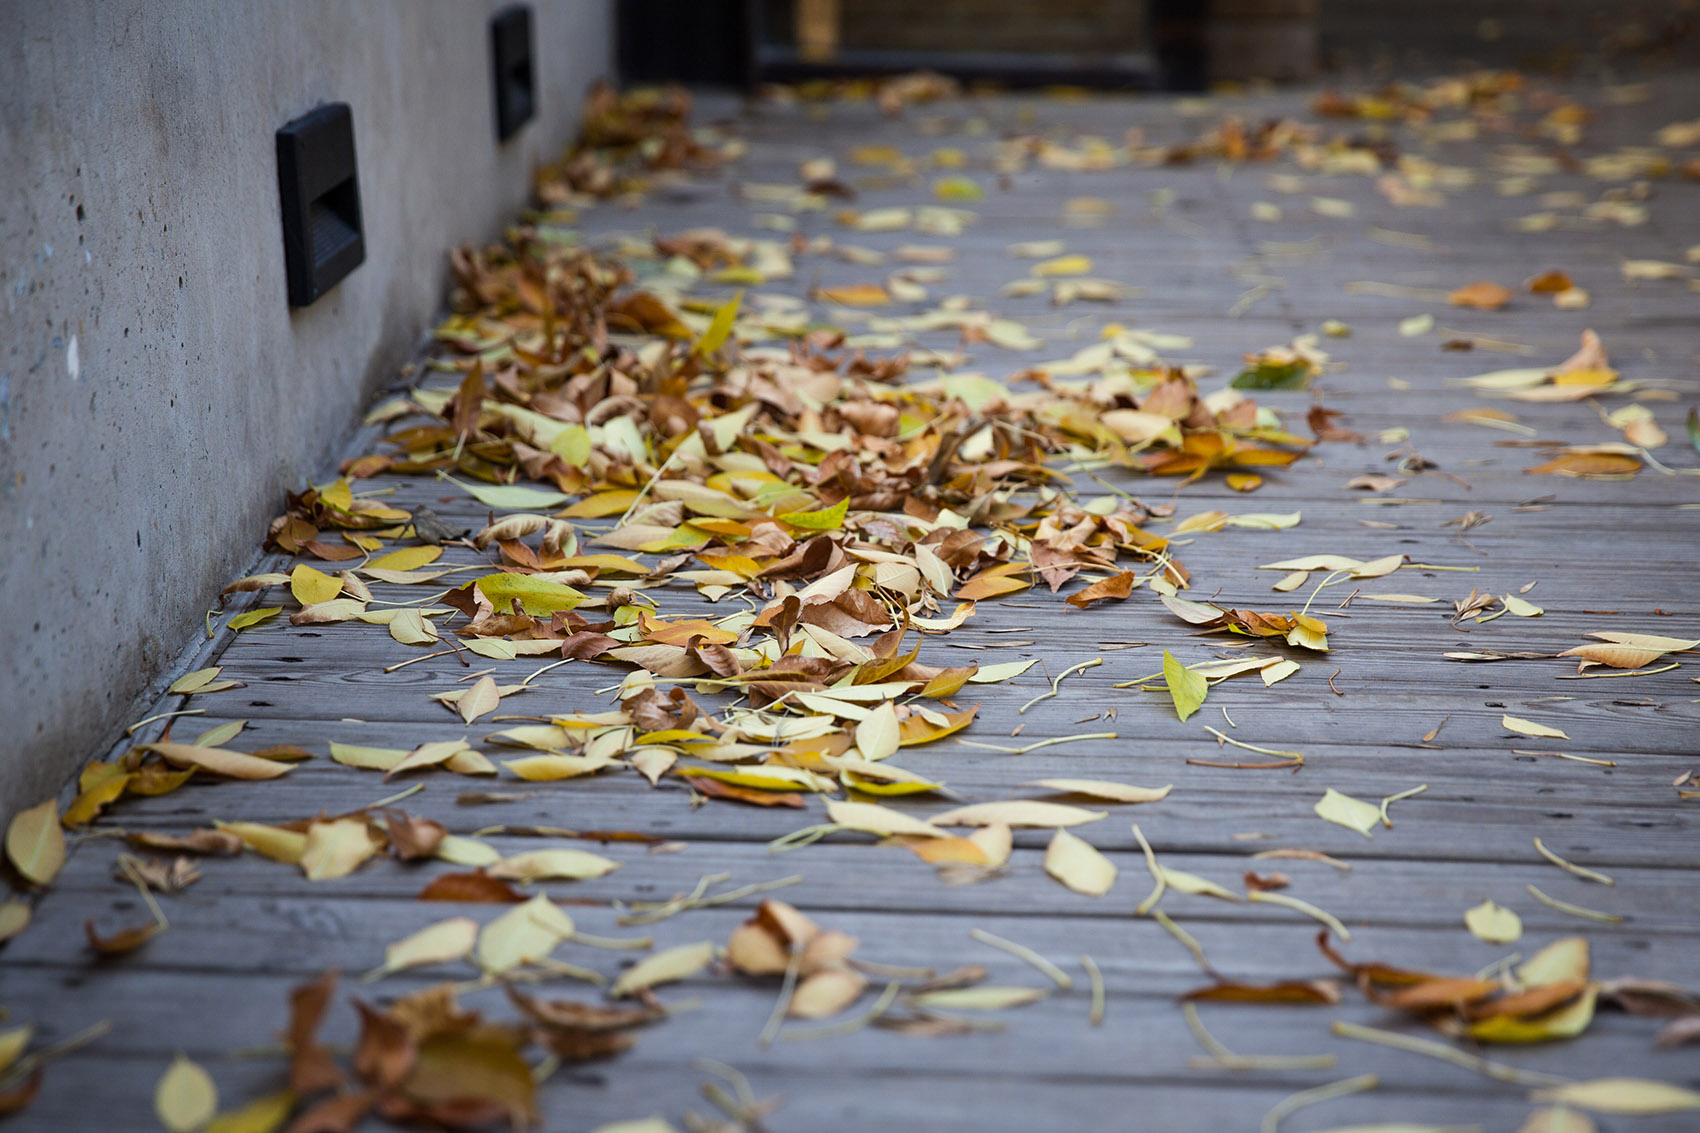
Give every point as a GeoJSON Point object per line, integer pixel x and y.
{"type": "Point", "coordinates": [73, 360]}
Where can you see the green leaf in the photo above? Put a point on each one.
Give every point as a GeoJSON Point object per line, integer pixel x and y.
{"type": "Point", "coordinates": [1274, 375]}
{"type": "Point", "coordinates": [512, 497]}
{"type": "Point", "coordinates": [536, 597]}
{"type": "Point", "coordinates": [1694, 428]}
{"type": "Point", "coordinates": [720, 327]}
{"type": "Point", "coordinates": [1186, 687]}
{"type": "Point", "coordinates": [826, 519]}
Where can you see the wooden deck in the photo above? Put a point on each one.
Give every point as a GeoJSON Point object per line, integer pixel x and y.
{"type": "Point", "coordinates": [1604, 556]}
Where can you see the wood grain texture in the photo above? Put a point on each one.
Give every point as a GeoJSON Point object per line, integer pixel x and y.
{"type": "Point", "coordinates": [1603, 556]}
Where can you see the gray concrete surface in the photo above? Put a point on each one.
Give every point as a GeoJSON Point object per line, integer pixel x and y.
{"type": "Point", "coordinates": [157, 393]}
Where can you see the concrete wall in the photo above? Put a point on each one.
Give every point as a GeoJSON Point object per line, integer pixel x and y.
{"type": "Point", "coordinates": [157, 393]}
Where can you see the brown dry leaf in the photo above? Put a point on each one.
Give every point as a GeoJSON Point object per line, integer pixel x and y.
{"type": "Point", "coordinates": [1548, 282]}
{"type": "Point", "coordinates": [1118, 587]}
{"type": "Point", "coordinates": [755, 796]}
{"type": "Point", "coordinates": [475, 887]}
{"type": "Point", "coordinates": [1323, 992]}
{"type": "Point", "coordinates": [1589, 466]}
{"type": "Point", "coordinates": [1614, 656]}
{"type": "Point", "coordinates": [311, 1068]}
{"type": "Point", "coordinates": [855, 295]}
{"type": "Point", "coordinates": [478, 1071]}
{"type": "Point", "coordinates": [124, 940]}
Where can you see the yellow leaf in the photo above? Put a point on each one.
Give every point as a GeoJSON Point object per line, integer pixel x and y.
{"type": "Point", "coordinates": [440, 943]}
{"type": "Point", "coordinates": [522, 935]}
{"type": "Point", "coordinates": [408, 558]}
{"type": "Point", "coordinates": [479, 700]}
{"type": "Point", "coordinates": [669, 966]}
{"type": "Point", "coordinates": [1614, 655]}
{"type": "Point", "coordinates": [554, 865]}
{"type": "Point", "coordinates": [877, 736]}
{"type": "Point", "coordinates": [253, 617]}
{"type": "Point", "coordinates": [1529, 728]}
{"type": "Point", "coordinates": [311, 587]}
{"type": "Point", "coordinates": [14, 918]}
{"type": "Point", "coordinates": [185, 1098]}
{"type": "Point", "coordinates": [428, 755]}
{"type": "Point", "coordinates": [1074, 862]}
{"type": "Point", "coordinates": [1563, 1022]}
{"type": "Point", "coordinates": [767, 777]}
{"type": "Point", "coordinates": [1565, 959]}
{"type": "Point", "coordinates": [1075, 264]}
{"type": "Point", "coordinates": [549, 768]}
{"type": "Point", "coordinates": [1493, 923]}
{"type": "Point", "coordinates": [719, 327]}
{"type": "Point", "coordinates": [1186, 688]}
{"type": "Point", "coordinates": [984, 998]}
{"type": "Point", "coordinates": [195, 681]}
{"type": "Point", "coordinates": [273, 842]}
{"type": "Point", "coordinates": [1184, 882]}
{"type": "Point", "coordinates": [881, 820]}
{"type": "Point", "coordinates": [12, 1044]}
{"type": "Point", "coordinates": [1104, 790]}
{"type": "Point", "coordinates": [1344, 810]}
{"type": "Point", "coordinates": [263, 1115]}
{"type": "Point", "coordinates": [1621, 1095]}
{"type": "Point", "coordinates": [825, 519]}
{"type": "Point", "coordinates": [35, 842]}
{"type": "Point", "coordinates": [220, 761]}
{"type": "Point", "coordinates": [412, 627]}
{"type": "Point", "coordinates": [856, 295]}
{"type": "Point", "coordinates": [1019, 812]}
{"type": "Point", "coordinates": [335, 849]}
{"type": "Point", "coordinates": [1648, 641]}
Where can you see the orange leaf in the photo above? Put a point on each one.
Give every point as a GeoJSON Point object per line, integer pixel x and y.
{"type": "Point", "coordinates": [1483, 295]}
{"type": "Point", "coordinates": [1118, 587]}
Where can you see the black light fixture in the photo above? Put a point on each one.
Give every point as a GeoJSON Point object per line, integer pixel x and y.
{"type": "Point", "coordinates": [512, 69]}
{"type": "Point", "coordinates": [319, 187]}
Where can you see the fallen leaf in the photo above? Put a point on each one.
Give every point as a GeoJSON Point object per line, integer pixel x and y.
{"type": "Point", "coordinates": [35, 842]}
{"type": "Point", "coordinates": [1493, 923]}
{"type": "Point", "coordinates": [553, 865]}
{"type": "Point", "coordinates": [1530, 728]}
{"type": "Point", "coordinates": [440, 943]}
{"type": "Point", "coordinates": [1637, 1096]}
{"type": "Point", "coordinates": [1483, 295]}
{"type": "Point", "coordinates": [1353, 814]}
{"type": "Point", "coordinates": [1323, 992]}
{"type": "Point", "coordinates": [1075, 863]}
{"type": "Point", "coordinates": [669, 966]}
{"type": "Point", "coordinates": [1022, 812]}
{"type": "Point", "coordinates": [1186, 688]}
{"type": "Point", "coordinates": [185, 1099]}
{"type": "Point", "coordinates": [1104, 790]}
